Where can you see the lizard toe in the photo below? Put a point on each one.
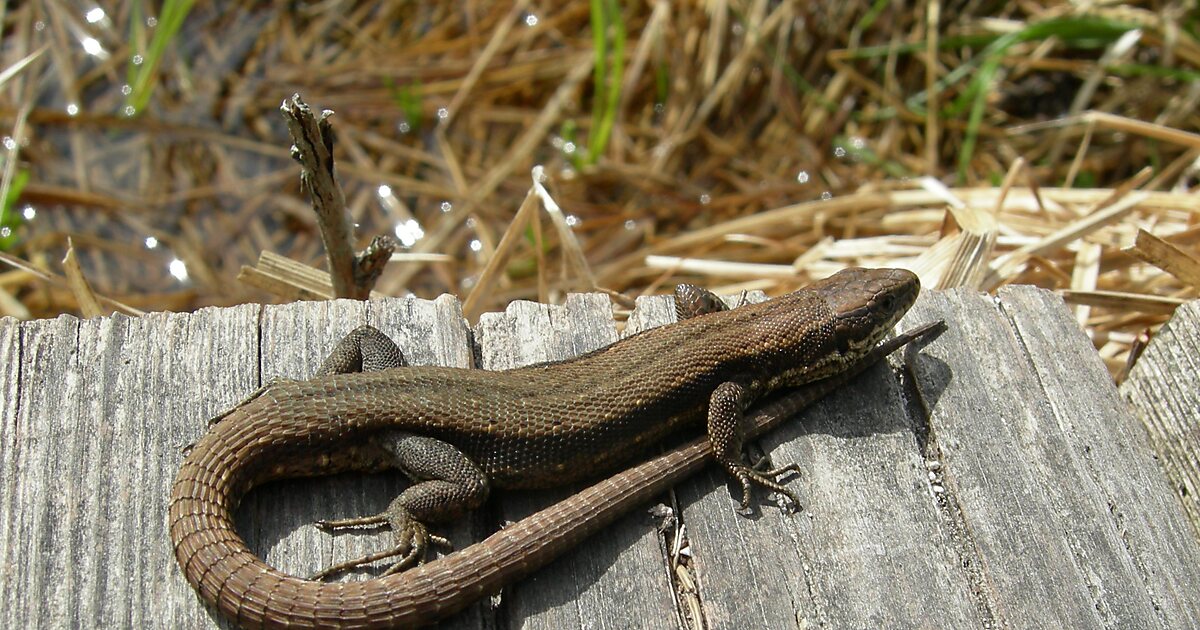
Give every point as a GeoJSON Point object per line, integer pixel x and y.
{"type": "Point", "coordinates": [412, 541]}
{"type": "Point", "coordinates": [749, 476]}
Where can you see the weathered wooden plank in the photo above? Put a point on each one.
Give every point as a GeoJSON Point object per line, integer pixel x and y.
{"type": "Point", "coordinates": [434, 332]}
{"type": "Point", "coordinates": [1158, 559]}
{"type": "Point", "coordinates": [1164, 389]}
{"type": "Point", "coordinates": [34, 427]}
{"type": "Point", "coordinates": [429, 332]}
{"type": "Point", "coordinates": [869, 548]}
{"type": "Point", "coordinates": [180, 370]}
{"type": "Point", "coordinates": [102, 407]}
{"type": "Point", "coordinates": [1050, 552]}
{"type": "Point", "coordinates": [276, 520]}
{"type": "Point", "coordinates": [11, 452]}
{"type": "Point", "coordinates": [989, 417]}
{"type": "Point", "coordinates": [48, 354]}
{"type": "Point", "coordinates": [612, 581]}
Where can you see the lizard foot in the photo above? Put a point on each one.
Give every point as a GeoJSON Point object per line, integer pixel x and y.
{"type": "Point", "coordinates": [748, 475]}
{"type": "Point", "coordinates": [412, 542]}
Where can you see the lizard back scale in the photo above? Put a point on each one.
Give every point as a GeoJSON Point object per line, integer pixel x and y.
{"type": "Point", "coordinates": [528, 427]}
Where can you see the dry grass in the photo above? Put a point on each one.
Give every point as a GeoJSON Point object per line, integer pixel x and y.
{"type": "Point", "coordinates": [734, 144]}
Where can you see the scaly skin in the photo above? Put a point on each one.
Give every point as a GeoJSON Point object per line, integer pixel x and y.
{"type": "Point", "coordinates": [529, 427]}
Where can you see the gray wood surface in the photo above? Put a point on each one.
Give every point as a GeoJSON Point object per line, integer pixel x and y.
{"type": "Point", "coordinates": [1164, 390]}
{"type": "Point", "coordinates": [992, 478]}
{"type": "Point", "coordinates": [1054, 484]}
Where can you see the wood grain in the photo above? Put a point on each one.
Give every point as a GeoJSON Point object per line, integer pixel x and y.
{"type": "Point", "coordinates": [867, 548]}
{"type": "Point", "coordinates": [1164, 390]}
{"type": "Point", "coordinates": [1041, 465]}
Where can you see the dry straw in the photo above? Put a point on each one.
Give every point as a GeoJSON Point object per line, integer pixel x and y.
{"type": "Point", "coordinates": [734, 144]}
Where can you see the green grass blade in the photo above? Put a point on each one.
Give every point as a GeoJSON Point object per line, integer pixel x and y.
{"type": "Point", "coordinates": [1073, 32]}
{"type": "Point", "coordinates": [174, 12]}
{"type": "Point", "coordinates": [607, 75]}
{"type": "Point", "coordinates": [10, 219]}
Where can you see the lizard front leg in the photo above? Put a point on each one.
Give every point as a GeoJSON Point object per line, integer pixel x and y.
{"type": "Point", "coordinates": [726, 432]}
{"type": "Point", "coordinates": [725, 410]}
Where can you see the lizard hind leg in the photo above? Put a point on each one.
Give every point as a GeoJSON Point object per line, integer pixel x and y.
{"type": "Point", "coordinates": [446, 484]}
{"type": "Point", "coordinates": [364, 349]}
{"type": "Point", "coordinates": [412, 541]}
{"type": "Point", "coordinates": [693, 301]}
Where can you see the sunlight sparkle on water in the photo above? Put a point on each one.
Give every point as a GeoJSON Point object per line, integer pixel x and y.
{"type": "Point", "coordinates": [178, 269]}
{"type": "Point", "coordinates": [29, 212]}
{"type": "Point", "coordinates": [385, 190]}
{"type": "Point", "coordinates": [151, 242]}
{"type": "Point", "coordinates": [476, 245]}
{"type": "Point", "coordinates": [94, 15]}
{"type": "Point", "coordinates": [92, 46]}
{"type": "Point", "coordinates": [531, 20]}
{"type": "Point", "coordinates": [409, 232]}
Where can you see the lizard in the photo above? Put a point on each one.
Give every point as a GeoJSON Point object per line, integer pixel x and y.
{"type": "Point", "coordinates": [458, 433]}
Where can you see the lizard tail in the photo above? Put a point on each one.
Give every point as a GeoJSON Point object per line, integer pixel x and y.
{"type": "Point", "coordinates": [226, 574]}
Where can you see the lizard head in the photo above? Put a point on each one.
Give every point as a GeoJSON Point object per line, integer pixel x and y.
{"type": "Point", "coordinates": [828, 325]}
{"type": "Point", "coordinates": [866, 304]}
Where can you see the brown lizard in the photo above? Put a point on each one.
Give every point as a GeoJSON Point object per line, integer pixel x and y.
{"type": "Point", "coordinates": [457, 433]}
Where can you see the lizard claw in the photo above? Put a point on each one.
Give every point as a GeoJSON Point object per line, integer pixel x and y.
{"type": "Point", "coordinates": [417, 539]}
{"type": "Point", "coordinates": [412, 542]}
{"type": "Point", "coordinates": [748, 475]}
